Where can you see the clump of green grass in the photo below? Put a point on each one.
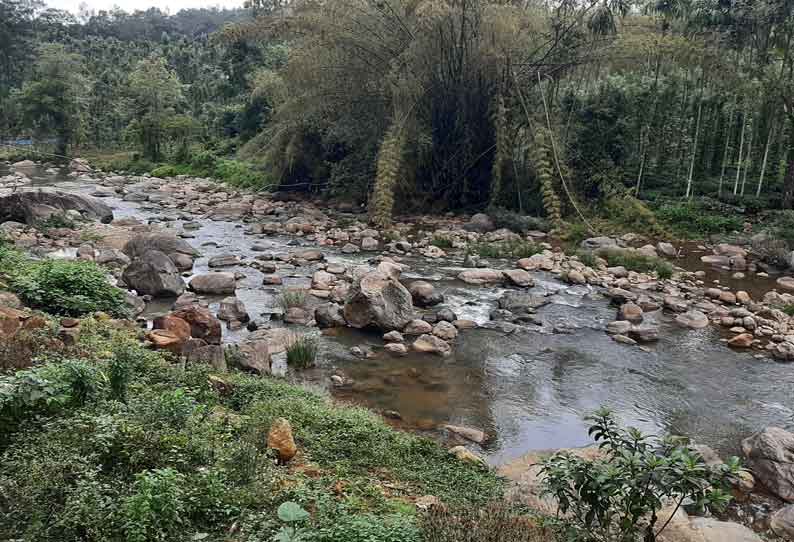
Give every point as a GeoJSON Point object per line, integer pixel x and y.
{"type": "Point", "coordinates": [517, 248]}
{"type": "Point", "coordinates": [56, 221]}
{"type": "Point", "coordinates": [302, 352]}
{"type": "Point", "coordinates": [635, 261]}
{"type": "Point", "coordinates": [587, 257]}
{"type": "Point", "coordinates": [292, 298]}
{"type": "Point", "coordinates": [441, 241]}
{"type": "Point", "coordinates": [788, 309]}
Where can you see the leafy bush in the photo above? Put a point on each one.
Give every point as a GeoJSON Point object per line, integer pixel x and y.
{"type": "Point", "coordinates": [71, 288]}
{"type": "Point", "coordinates": [636, 261]}
{"type": "Point", "coordinates": [441, 241]}
{"type": "Point", "coordinates": [157, 509]}
{"type": "Point", "coordinates": [517, 248]}
{"type": "Point", "coordinates": [618, 496]}
{"type": "Point", "coordinates": [302, 352]}
{"type": "Point", "coordinates": [239, 174]}
{"type": "Point", "coordinates": [697, 220]}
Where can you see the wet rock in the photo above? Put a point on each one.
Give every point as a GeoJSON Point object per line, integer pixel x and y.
{"type": "Point", "coordinates": [536, 261]}
{"type": "Point", "coordinates": [618, 271]}
{"type": "Point", "coordinates": [618, 327]}
{"type": "Point", "coordinates": [167, 243]}
{"type": "Point", "coordinates": [675, 304]}
{"type": "Point", "coordinates": [786, 283]}
{"type": "Point", "coordinates": [782, 522]}
{"type": "Point", "coordinates": [430, 344]}
{"type": "Point", "coordinates": [329, 315]}
{"type": "Point", "coordinates": [693, 319]}
{"type": "Point", "coordinates": [445, 330]}
{"type": "Point", "coordinates": [214, 283]}
{"type": "Point", "coordinates": [230, 211]}
{"type": "Point", "coordinates": [630, 312]}
{"type": "Point", "coordinates": [725, 249]}
{"type": "Point", "coordinates": [393, 337]}
{"type": "Point", "coordinates": [624, 339]}
{"type": "Point", "coordinates": [253, 355]}
{"type": "Point", "coordinates": [519, 277]}
{"type": "Point", "coordinates": [322, 280]}
{"type": "Point", "coordinates": [446, 315]}
{"type": "Point", "coordinates": [153, 273]}
{"type": "Point", "coordinates": [417, 327]}
{"type": "Point", "coordinates": [112, 257]}
{"type": "Point", "coordinates": [783, 351]}
{"type": "Point", "coordinates": [203, 325]}
{"type": "Point", "coordinates": [727, 297]}
{"type": "Point", "coordinates": [397, 349]}
{"type": "Point", "coordinates": [232, 308]}
{"type": "Point", "coordinates": [423, 294]}
{"type": "Point", "coordinates": [481, 223]}
{"type": "Point", "coordinates": [666, 249]}
{"type": "Point", "coordinates": [644, 333]}
{"type": "Point", "coordinates": [743, 340]}
{"type": "Point", "coordinates": [369, 244]}
{"type": "Point", "coordinates": [481, 276]}
{"type": "Point", "coordinates": [575, 277]}
{"type": "Point", "coordinates": [32, 207]}
{"type": "Point", "coordinates": [620, 296]}
{"type": "Point", "coordinates": [280, 439]}
{"type": "Point", "coordinates": [596, 243]}
{"type": "Point", "coordinates": [378, 300]}
{"type": "Point", "coordinates": [350, 248]}
{"type": "Point", "coordinates": [297, 315]}
{"type": "Point", "coordinates": [224, 260]}
{"type": "Point", "coordinates": [742, 297]}
{"type": "Point", "coordinates": [770, 456]}
{"type": "Point", "coordinates": [720, 261]}
{"type": "Point", "coordinates": [474, 435]}
{"type": "Point", "coordinates": [394, 270]}
{"type": "Point", "coordinates": [272, 280]}
{"type": "Point", "coordinates": [466, 456]}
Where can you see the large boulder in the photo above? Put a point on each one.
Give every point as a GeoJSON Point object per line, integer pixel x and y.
{"type": "Point", "coordinates": [253, 356]}
{"type": "Point", "coordinates": [378, 300]}
{"type": "Point", "coordinates": [480, 223]}
{"type": "Point", "coordinates": [232, 309]}
{"type": "Point", "coordinates": [424, 294]}
{"type": "Point", "coordinates": [329, 315]}
{"type": "Point", "coordinates": [179, 250]}
{"type": "Point", "coordinates": [203, 325]}
{"type": "Point", "coordinates": [32, 206]}
{"type": "Point", "coordinates": [153, 273]}
{"type": "Point", "coordinates": [214, 283]}
{"type": "Point", "coordinates": [770, 456]}
{"type": "Point", "coordinates": [481, 276]}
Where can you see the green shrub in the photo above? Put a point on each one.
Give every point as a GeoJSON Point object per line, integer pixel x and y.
{"type": "Point", "coordinates": [517, 248]}
{"type": "Point", "coordinates": [697, 220]}
{"type": "Point", "coordinates": [636, 261]}
{"type": "Point", "coordinates": [302, 352]}
{"type": "Point", "coordinates": [587, 257]}
{"type": "Point", "coordinates": [239, 174]}
{"type": "Point", "coordinates": [441, 241]}
{"type": "Point", "coordinates": [618, 496]}
{"type": "Point", "coordinates": [158, 507]}
{"type": "Point", "coordinates": [56, 221]}
{"type": "Point", "coordinates": [71, 288]}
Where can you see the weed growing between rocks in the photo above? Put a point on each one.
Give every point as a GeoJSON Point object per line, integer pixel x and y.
{"type": "Point", "coordinates": [517, 248]}
{"type": "Point", "coordinates": [441, 241]}
{"type": "Point", "coordinates": [292, 298]}
{"type": "Point", "coordinates": [119, 443]}
{"type": "Point", "coordinates": [301, 352]}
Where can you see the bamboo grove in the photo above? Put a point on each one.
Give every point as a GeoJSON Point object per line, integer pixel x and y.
{"type": "Point", "coordinates": [557, 109]}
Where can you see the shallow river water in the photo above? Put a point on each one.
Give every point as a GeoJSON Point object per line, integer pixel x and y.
{"type": "Point", "coordinates": [528, 389]}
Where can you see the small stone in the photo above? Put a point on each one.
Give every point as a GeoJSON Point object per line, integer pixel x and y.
{"type": "Point", "coordinates": [280, 438]}
{"type": "Point", "coordinates": [519, 277]}
{"type": "Point", "coordinates": [417, 327]}
{"type": "Point", "coordinates": [398, 349]}
{"type": "Point", "coordinates": [618, 327]}
{"type": "Point", "coordinates": [393, 337]}
{"type": "Point", "coordinates": [744, 340]}
{"type": "Point", "coordinates": [630, 312]}
{"type": "Point", "coordinates": [474, 435]}
{"type": "Point", "coordinates": [430, 344]}
{"type": "Point", "coordinates": [445, 330]}
{"type": "Point", "coordinates": [624, 339]}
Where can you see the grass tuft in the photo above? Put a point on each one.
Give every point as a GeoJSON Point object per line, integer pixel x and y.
{"type": "Point", "coordinates": [292, 298]}
{"type": "Point", "coordinates": [302, 352]}
{"type": "Point", "coordinates": [635, 261]}
{"type": "Point", "coordinates": [517, 248]}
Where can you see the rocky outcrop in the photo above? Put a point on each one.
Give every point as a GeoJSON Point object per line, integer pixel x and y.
{"type": "Point", "coordinates": [770, 456]}
{"type": "Point", "coordinates": [378, 300]}
{"type": "Point", "coordinates": [153, 273]}
{"type": "Point", "coordinates": [33, 206]}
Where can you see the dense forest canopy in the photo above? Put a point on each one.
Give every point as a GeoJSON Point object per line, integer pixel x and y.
{"type": "Point", "coordinates": [551, 109]}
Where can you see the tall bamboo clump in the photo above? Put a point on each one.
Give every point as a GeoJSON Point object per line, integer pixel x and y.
{"type": "Point", "coordinates": [542, 161]}
{"type": "Point", "coordinates": [502, 148]}
{"type": "Point", "coordinates": [390, 158]}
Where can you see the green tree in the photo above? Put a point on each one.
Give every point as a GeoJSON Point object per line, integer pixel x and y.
{"type": "Point", "coordinates": [156, 94]}
{"type": "Point", "coordinates": [54, 100]}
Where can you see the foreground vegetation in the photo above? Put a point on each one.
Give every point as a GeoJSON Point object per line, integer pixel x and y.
{"type": "Point", "coordinates": [109, 441]}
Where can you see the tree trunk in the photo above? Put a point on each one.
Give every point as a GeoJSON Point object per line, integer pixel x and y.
{"type": "Point", "coordinates": [747, 159]}
{"type": "Point", "coordinates": [694, 152]}
{"type": "Point", "coordinates": [766, 157]}
{"type": "Point", "coordinates": [739, 158]}
{"type": "Point", "coordinates": [727, 146]}
{"type": "Point", "coordinates": [788, 183]}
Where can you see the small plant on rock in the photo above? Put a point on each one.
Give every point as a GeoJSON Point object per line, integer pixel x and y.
{"type": "Point", "coordinates": [292, 298]}
{"type": "Point", "coordinates": [302, 352]}
{"type": "Point", "coordinates": [441, 241]}
{"type": "Point", "coordinates": [617, 497]}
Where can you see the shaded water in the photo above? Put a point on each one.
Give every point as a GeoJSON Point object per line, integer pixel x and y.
{"type": "Point", "coordinates": [529, 389]}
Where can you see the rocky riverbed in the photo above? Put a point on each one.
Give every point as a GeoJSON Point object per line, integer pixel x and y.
{"type": "Point", "coordinates": [502, 356]}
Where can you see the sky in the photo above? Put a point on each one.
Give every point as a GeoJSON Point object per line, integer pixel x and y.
{"type": "Point", "coordinates": [130, 5]}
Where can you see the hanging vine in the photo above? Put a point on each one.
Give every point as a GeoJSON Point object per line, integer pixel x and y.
{"type": "Point", "coordinates": [390, 158]}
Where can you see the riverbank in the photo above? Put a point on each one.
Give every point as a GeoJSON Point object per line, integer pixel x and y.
{"type": "Point", "coordinates": [515, 349]}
